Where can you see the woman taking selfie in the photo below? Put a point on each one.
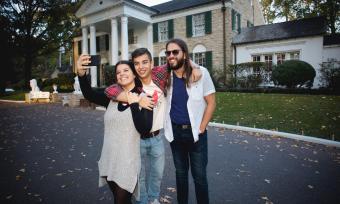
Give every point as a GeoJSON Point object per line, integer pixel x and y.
{"type": "Point", "coordinates": [119, 163]}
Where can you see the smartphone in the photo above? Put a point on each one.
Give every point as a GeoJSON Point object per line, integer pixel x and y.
{"type": "Point", "coordinates": [95, 60]}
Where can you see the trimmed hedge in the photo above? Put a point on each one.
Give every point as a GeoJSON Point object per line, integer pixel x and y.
{"type": "Point", "coordinates": [294, 73]}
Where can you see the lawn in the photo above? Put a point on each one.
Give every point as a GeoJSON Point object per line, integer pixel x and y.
{"type": "Point", "coordinates": [311, 115]}
{"type": "Point", "coordinates": [16, 96]}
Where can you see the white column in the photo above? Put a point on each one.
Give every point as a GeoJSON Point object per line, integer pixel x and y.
{"type": "Point", "coordinates": [84, 44]}
{"type": "Point", "coordinates": [124, 38]}
{"type": "Point", "coordinates": [150, 39]}
{"type": "Point", "coordinates": [93, 51]}
{"type": "Point", "coordinates": [114, 41]}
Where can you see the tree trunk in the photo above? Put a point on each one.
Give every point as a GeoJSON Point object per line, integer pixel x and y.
{"type": "Point", "coordinates": [28, 69]}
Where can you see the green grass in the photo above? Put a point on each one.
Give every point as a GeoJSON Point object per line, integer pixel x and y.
{"type": "Point", "coordinates": [16, 96]}
{"type": "Point", "coordinates": [312, 115]}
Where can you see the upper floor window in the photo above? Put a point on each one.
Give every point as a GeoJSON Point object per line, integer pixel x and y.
{"type": "Point", "coordinates": [163, 31]}
{"type": "Point", "coordinates": [198, 25]}
{"type": "Point", "coordinates": [235, 21]}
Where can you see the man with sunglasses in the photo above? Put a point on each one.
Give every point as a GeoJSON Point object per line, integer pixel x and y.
{"type": "Point", "coordinates": [190, 107]}
{"type": "Point", "coordinates": [151, 146]}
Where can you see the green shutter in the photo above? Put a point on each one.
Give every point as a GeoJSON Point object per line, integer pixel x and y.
{"type": "Point", "coordinates": [239, 23]}
{"type": "Point", "coordinates": [155, 32]}
{"type": "Point", "coordinates": [170, 29]}
{"type": "Point", "coordinates": [79, 48]}
{"type": "Point", "coordinates": [155, 61]}
{"type": "Point", "coordinates": [208, 58]}
{"type": "Point", "coordinates": [207, 17]}
{"type": "Point", "coordinates": [97, 44]}
{"type": "Point", "coordinates": [189, 26]}
{"type": "Point", "coordinates": [233, 19]}
{"type": "Point", "coordinates": [107, 45]}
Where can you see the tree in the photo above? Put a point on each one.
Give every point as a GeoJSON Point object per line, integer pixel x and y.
{"type": "Point", "coordinates": [39, 27]}
{"type": "Point", "coordinates": [297, 9]}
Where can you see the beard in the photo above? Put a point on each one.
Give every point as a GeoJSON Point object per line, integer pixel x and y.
{"type": "Point", "coordinates": [180, 63]}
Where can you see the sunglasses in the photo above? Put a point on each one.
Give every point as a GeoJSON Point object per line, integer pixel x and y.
{"type": "Point", "coordinates": [174, 52]}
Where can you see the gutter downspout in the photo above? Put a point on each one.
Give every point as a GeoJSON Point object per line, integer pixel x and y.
{"type": "Point", "coordinates": [223, 9]}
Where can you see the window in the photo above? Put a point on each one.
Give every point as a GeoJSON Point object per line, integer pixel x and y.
{"type": "Point", "coordinates": [162, 60]}
{"type": "Point", "coordinates": [295, 55]}
{"type": "Point", "coordinates": [280, 58]}
{"type": "Point", "coordinates": [162, 57]}
{"type": "Point", "coordinates": [198, 25]}
{"type": "Point", "coordinates": [163, 31]}
{"type": "Point", "coordinates": [132, 38]}
{"type": "Point", "coordinates": [199, 58]}
{"type": "Point", "coordinates": [235, 21]}
{"type": "Point", "coordinates": [268, 59]}
{"type": "Point", "coordinates": [256, 58]}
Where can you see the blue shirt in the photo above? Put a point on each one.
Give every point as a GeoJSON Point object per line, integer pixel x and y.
{"type": "Point", "coordinates": [179, 111]}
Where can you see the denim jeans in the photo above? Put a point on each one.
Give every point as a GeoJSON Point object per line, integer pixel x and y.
{"type": "Point", "coordinates": [152, 150]}
{"type": "Point", "coordinates": [185, 152]}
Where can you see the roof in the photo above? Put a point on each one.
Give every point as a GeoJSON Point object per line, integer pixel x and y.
{"type": "Point", "coordinates": [279, 31]}
{"type": "Point", "coordinates": [176, 5]}
{"type": "Point", "coordinates": [331, 39]}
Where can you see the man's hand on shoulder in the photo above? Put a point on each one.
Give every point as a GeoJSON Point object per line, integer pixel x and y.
{"type": "Point", "coordinates": [146, 102]}
{"type": "Point", "coordinates": [196, 74]}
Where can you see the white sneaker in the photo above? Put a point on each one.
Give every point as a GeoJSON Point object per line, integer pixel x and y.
{"type": "Point", "coordinates": [155, 202]}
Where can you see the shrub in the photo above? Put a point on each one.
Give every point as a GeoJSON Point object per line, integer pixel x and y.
{"type": "Point", "coordinates": [330, 75]}
{"type": "Point", "coordinates": [247, 75]}
{"type": "Point", "coordinates": [293, 73]}
{"type": "Point", "coordinates": [109, 75]}
{"type": "Point", "coordinates": [47, 88]}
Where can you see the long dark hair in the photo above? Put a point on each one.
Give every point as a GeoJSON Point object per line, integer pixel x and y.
{"type": "Point", "coordinates": [138, 83]}
{"type": "Point", "coordinates": [187, 67]}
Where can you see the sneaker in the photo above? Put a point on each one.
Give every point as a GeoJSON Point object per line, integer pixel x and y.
{"type": "Point", "coordinates": [155, 202]}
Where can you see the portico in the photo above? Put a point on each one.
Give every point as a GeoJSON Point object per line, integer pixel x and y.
{"type": "Point", "coordinates": [118, 25]}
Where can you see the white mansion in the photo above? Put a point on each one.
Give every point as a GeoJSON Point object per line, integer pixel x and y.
{"type": "Point", "coordinates": [114, 28]}
{"type": "Point", "coordinates": [218, 33]}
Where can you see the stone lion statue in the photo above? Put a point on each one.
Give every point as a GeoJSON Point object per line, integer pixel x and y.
{"type": "Point", "coordinates": [34, 85]}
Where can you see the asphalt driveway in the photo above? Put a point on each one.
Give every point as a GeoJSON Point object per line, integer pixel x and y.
{"type": "Point", "coordinates": [49, 153]}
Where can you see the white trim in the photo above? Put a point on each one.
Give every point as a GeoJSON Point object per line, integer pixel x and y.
{"type": "Point", "coordinates": [80, 38]}
{"type": "Point", "coordinates": [185, 12]}
{"type": "Point", "coordinates": [199, 48]}
{"type": "Point", "coordinates": [280, 134]}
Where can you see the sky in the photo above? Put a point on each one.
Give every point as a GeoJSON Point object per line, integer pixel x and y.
{"type": "Point", "coordinates": [151, 2]}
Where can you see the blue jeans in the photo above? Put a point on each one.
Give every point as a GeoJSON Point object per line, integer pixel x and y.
{"type": "Point", "coordinates": [151, 149]}
{"type": "Point", "coordinates": [185, 152]}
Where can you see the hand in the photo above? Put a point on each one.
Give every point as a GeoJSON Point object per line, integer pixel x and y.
{"type": "Point", "coordinates": [196, 72]}
{"type": "Point", "coordinates": [132, 97]}
{"type": "Point", "coordinates": [82, 61]}
{"type": "Point", "coordinates": [146, 102]}
{"type": "Point", "coordinates": [201, 129]}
